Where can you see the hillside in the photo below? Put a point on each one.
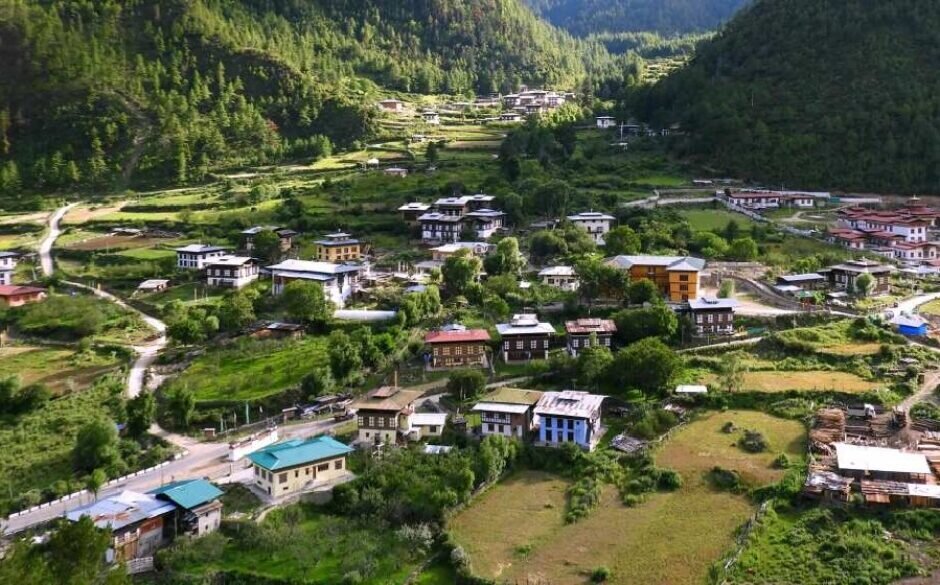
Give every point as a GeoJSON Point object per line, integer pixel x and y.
{"type": "Point", "coordinates": [815, 94]}
{"type": "Point", "coordinates": [108, 93]}
{"type": "Point", "coordinates": [667, 17]}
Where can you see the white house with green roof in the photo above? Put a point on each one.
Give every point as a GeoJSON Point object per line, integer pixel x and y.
{"type": "Point", "coordinates": [298, 465]}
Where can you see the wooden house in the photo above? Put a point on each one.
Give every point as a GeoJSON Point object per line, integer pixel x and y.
{"type": "Point", "coordinates": [677, 277]}
{"type": "Point", "coordinates": [583, 333]}
{"type": "Point", "coordinates": [712, 316]}
{"type": "Point", "coordinates": [458, 347]}
{"type": "Point", "coordinates": [843, 276]}
{"type": "Point", "coordinates": [383, 415]}
{"type": "Point", "coordinates": [508, 412]}
{"type": "Point", "coordinates": [524, 338]}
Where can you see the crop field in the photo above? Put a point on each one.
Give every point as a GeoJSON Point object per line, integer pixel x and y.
{"type": "Point", "coordinates": [61, 370]}
{"type": "Point", "coordinates": [704, 220]}
{"type": "Point", "coordinates": [516, 530]}
{"type": "Point", "coordinates": [249, 369]}
{"type": "Point", "coordinates": [85, 213]}
{"type": "Point", "coordinates": [96, 243]}
{"type": "Point", "coordinates": [803, 381]}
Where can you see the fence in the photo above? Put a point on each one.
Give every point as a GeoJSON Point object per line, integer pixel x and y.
{"type": "Point", "coordinates": [141, 565]}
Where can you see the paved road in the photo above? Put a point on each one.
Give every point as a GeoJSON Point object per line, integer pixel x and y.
{"type": "Point", "coordinates": [911, 304]}
{"type": "Point", "coordinates": [45, 247]}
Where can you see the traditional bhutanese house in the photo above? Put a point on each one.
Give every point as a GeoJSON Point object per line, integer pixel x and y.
{"type": "Point", "coordinates": [508, 412]}
{"type": "Point", "coordinates": [440, 227]}
{"type": "Point", "coordinates": [524, 338]}
{"type": "Point", "coordinates": [13, 295]}
{"type": "Point", "coordinates": [912, 325]}
{"type": "Point", "coordinates": [196, 256]}
{"type": "Point", "coordinates": [712, 316]}
{"type": "Point", "coordinates": [432, 118]}
{"type": "Point", "coordinates": [563, 277]}
{"type": "Point", "coordinates": [583, 333]}
{"type": "Point", "coordinates": [806, 281]}
{"type": "Point", "coordinates": [285, 236]}
{"type": "Point", "coordinates": [569, 417]}
{"type": "Point", "coordinates": [847, 238]}
{"type": "Point", "coordinates": [410, 212]}
{"type": "Point", "coordinates": [593, 222]}
{"type": "Point", "coordinates": [458, 347]}
{"type": "Point", "coordinates": [7, 267]}
{"type": "Point", "coordinates": [843, 276]}
{"type": "Point", "coordinates": [339, 281]}
{"type": "Point", "coordinates": [338, 247]}
{"type": "Point", "coordinates": [298, 465]}
{"type": "Point", "coordinates": [137, 522]}
{"type": "Point", "coordinates": [231, 271]}
{"type": "Point", "coordinates": [199, 510]}
{"type": "Point", "coordinates": [484, 222]}
{"type": "Point", "coordinates": [755, 199]}
{"type": "Point", "coordinates": [878, 463]}
{"type": "Point", "coordinates": [677, 277]}
{"type": "Point", "coordinates": [384, 415]}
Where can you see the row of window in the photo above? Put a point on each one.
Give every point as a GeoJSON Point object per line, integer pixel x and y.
{"type": "Point", "coordinates": [379, 422]}
{"type": "Point", "coordinates": [282, 477]}
{"type": "Point", "coordinates": [494, 428]}
{"type": "Point", "coordinates": [713, 318]}
{"type": "Point", "coordinates": [575, 342]}
{"type": "Point", "coordinates": [558, 423]}
{"type": "Point", "coordinates": [459, 350]}
{"type": "Point", "coordinates": [533, 344]}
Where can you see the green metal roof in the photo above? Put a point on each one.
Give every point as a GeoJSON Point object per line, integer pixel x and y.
{"type": "Point", "coordinates": [295, 452]}
{"type": "Point", "coordinates": [188, 494]}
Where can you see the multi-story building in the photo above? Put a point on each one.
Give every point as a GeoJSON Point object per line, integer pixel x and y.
{"type": "Point", "coordinates": [508, 412]}
{"type": "Point", "coordinates": [484, 222]}
{"type": "Point", "coordinates": [196, 256]}
{"type": "Point", "coordinates": [451, 216]}
{"type": "Point", "coordinates": [338, 247]}
{"type": "Point", "coordinates": [410, 212]}
{"type": "Point", "coordinates": [584, 333]}
{"type": "Point", "coordinates": [231, 271]}
{"type": "Point", "coordinates": [563, 277]}
{"type": "Point", "coordinates": [440, 227]}
{"type": "Point", "coordinates": [339, 281]}
{"type": "Point", "coordinates": [844, 276]}
{"type": "Point", "coordinates": [569, 417]}
{"type": "Point", "coordinates": [593, 222]}
{"type": "Point", "coordinates": [677, 277]}
{"type": "Point", "coordinates": [291, 467]}
{"type": "Point", "coordinates": [384, 415]}
{"type": "Point", "coordinates": [524, 338]}
{"type": "Point", "coordinates": [7, 267]}
{"type": "Point", "coordinates": [457, 347]}
{"type": "Point", "coordinates": [711, 316]}
{"type": "Point", "coordinates": [285, 236]}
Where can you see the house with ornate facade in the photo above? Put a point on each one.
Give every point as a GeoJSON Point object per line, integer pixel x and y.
{"type": "Point", "coordinates": [508, 412]}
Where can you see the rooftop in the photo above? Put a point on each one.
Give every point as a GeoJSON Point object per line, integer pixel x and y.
{"type": "Point", "coordinates": [457, 336]}
{"type": "Point", "coordinates": [587, 326]}
{"type": "Point", "coordinates": [231, 261]}
{"type": "Point", "coordinates": [124, 509]}
{"type": "Point", "coordinates": [705, 303]}
{"type": "Point", "coordinates": [201, 249]}
{"type": "Point", "coordinates": [6, 254]}
{"type": "Point", "coordinates": [188, 494]}
{"type": "Point", "coordinates": [524, 324]}
{"type": "Point", "coordinates": [388, 398]}
{"type": "Point", "coordinates": [806, 277]}
{"type": "Point", "coordinates": [691, 389]}
{"type": "Point", "coordinates": [508, 395]}
{"type": "Point", "coordinates": [428, 419]}
{"type": "Point", "coordinates": [860, 458]}
{"type": "Point", "coordinates": [10, 290]}
{"type": "Point", "coordinates": [557, 271]}
{"type": "Point", "coordinates": [313, 267]}
{"type": "Point", "coordinates": [689, 263]}
{"type": "Point", "coordinates": [415, 206]}
{"type": "Point", "coordinates": [569, 403]}
{"type": "Point", "coordinates": [590, 215]}
{"type": "Point", "coordinates": [296, 452]}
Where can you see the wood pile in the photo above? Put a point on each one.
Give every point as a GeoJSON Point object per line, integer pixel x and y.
{"type": "Point", "coordinates": [828, 426]}
{"type": "Point", "coordinates": [925, 424]}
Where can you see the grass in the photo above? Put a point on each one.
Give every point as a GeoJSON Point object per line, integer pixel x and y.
{"type": "Point", "coordinates": [147, 254]}
{"type": "Point", "coordinates": [189, 293]}
{"type": "Point", "coordinates": [61, 370]}
{"type": "Point", "coordinates": [810, 380]}
{"type": "Point", "coordinates": [706, 220]}
{"type": "Point", "coordinates": [837, 338]}
{"type": "Point", "coordinates": [670, 539]}
{"type": "Point", "coordinates": [931, 308]}
{"type": "Point", "coordinates": [251, 369]}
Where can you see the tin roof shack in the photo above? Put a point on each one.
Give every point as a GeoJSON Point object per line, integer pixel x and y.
{"type": "Point", "coordinates": [384, 415]}
{"type": "Point", "coordinates": [508, 412]}
{"type": "Point", "coordinates": [137, 523]}
{"type": "Point", "coordinates": [806, 281]}
{"type": "Point", "coordinates": [198, 506]}
{"type": "Point", "coordinates": [583, 333]}
{"type": "Point", "coordinates": [524, 338]}
{"type": "Point", "coordinates": [569, 417]}
{"type": "Point", "coordinates": [878, 463]}
{"type": "Point", "coordinates": [912, 325]}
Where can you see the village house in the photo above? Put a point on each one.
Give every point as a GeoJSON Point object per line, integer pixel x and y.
{"type": "Point", "coordinates": [7, 267]}
{"type": "Point", "coordinates": [279, 330]}
{"type": "Point", "coordinates": [13, 295]}
{"type": "Point", "coordinates": [484, 222]}
{"type": "Point", "coordinates": [457, 347]}
{"type": "Point", "coordinates": [339, 281]}
{"type": "Point", "coordinates": [231, 271]}
{"type": "Point", "coordinates": [432, 118]}
{"type": "Point", "coordinates": [534, 101]}
{"type": "Point", "coordinates": [563, 277]}
{"type": "Point", "coordinates": [152, 285]}
{"type": "Point", "coordinates": [908, 324]}
{"type": "Point", "coordinates": [847, 238]}
{"type": "Point", "coordinates": [510, 117]}
{"type": "Point", "coordinates": [524, 338]}
{"type": "Point", "coordinates": [593, 222]}
{"type": "Point", "coordinates": [338, 247]}
{"type": "Point", "coordinates": [569, 417]}
{"type": "Point", "coordinates": [843, 276]}
{"type": "Point", "coordinates": [604, 122]}
{"type": "Point", "coordinates": [712, 316]}
{"type": "Point", "coordinates": [392, 106]}
{"type": "Point", "coordinates": [383, 415]}
{"type": "Point", "coordinates": [285, 236]}
{"type": "Point", "coordinates": [451, 216]}
{"type": "Point", "coordinates": [445, 251]}
{"type": "Point", "coordinates": [426, 425]}
{"type": "Point", "coordinates": [410, 212]}
{"type": "Point", "coordinates": [754, 200]}
{"type": "Point", "coordinates": [196, 256]}
{"type": "Point", "coordinates": [440, 227]}
{"type": "Point", "coordinates": [298, 465]}
{"type": "Point", "coordinates": [677, 277]}
{"type": "Point", "coordinates": [199, 509]}
{"type": "Point", "coordinates": [508, 412]}
{"type": "Point", "coordinates": [757, 200]}
{"type": "Point", "coordinates": [584, 333]}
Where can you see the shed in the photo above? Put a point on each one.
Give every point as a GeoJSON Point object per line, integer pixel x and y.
{"type": "Point", "coordinates": [691, 389]}
{"type": "Point", "coordinates": [907, 324]}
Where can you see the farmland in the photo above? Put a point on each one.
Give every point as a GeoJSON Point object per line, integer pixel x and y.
{"type": "Point", "coordinates": [703, 220]}
{"type": "Point", "coordinates": [62, 370]}
{"type": "Point", "coordinates": [801, 381]}
{"type": "Point", "coordinates": [516, 529]}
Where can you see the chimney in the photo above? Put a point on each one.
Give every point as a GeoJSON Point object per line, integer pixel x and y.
{"type": "Point", "coordinates": [395, 379]}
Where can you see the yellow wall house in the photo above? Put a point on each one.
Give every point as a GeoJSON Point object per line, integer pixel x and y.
{"type": "Point", "coordinates": [677, 277]}
{"type": "Point", "coordinates": [338, 247]}
{"type": "Point", "coordinates": [291, 467]}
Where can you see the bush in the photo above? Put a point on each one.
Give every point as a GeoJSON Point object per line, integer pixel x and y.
{"type": "Point", "coordinates": [725, 479]}
{"type": "Point", "coordinates": [753, 442]}
{"type": "Point", "coordinates": [728, 428]}
{"type": "Point", "coordinates": [600, 575]}
{"type": "Point", "coordinates": [781, 462]}
{"type": "Point", "coordinates": [669, 480]}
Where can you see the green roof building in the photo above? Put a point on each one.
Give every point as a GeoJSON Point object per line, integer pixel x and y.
{"type": "Point", "coordinates": [293, 466]}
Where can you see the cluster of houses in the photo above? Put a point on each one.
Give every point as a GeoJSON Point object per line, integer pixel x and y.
{"type": "Point", "coordinates": [514, 106]}
{"type": "Point", "coordinates": [445, 220]}
{"type": "Point", "coordinates": [760, 200]}
{"type": "Point", "coordinates": [839, 279]}
{"type": "Point", "coordinates": [901, 234]}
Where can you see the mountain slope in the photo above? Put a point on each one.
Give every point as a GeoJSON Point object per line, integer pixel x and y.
{"type": "Point", "coordinates": [101, 92]}
{"type": "Point", "coordinates": [815, 94]}
{"type": "Point", "coordinates": [586, 17]}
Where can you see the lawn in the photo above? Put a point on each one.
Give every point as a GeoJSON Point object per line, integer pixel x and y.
{"type": "Point", "coordinates": [147, 254]}
{"type": "Point", "coordinates": [62, 370]}
{"type": "Point", "coordinates": [189, 293]}
{"type": "Point", "coordinates": [251, 369]}
{"type": "Point", "coordinates": [516, 530]}
{"type": "Point", "coordinates": [705, 220]}
{"type": "Point", "coordinates": [810, 380]}
{"type": "Point", "coordinates": [931, 308]}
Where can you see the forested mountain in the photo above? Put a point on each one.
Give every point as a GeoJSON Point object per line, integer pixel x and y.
{"type": "Point", "coordinates": [815, 94]}
{"type": "Point", "coordinates": [666, 17]}
{"type": "Point", "coordinates": [99, 92]}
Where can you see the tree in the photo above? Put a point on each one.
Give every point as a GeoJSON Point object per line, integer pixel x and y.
{"type": "Point", "coordinates": [237, 310]}
{"type": "Point", "coordinates": [726, 290]}
{"type": "Point", "coordinates": [431, 154]}
{"type": "Point", "coordinates": [656, 321]}
{"type": "Point", "coordinates": [732, 230]}
{"type": "Point", "coordinates": [466, 384]}
{"type": "Point", "coordinates": [96, 445]}
{"type": "Point", "coordinates": [643, 290]}
{"type": "Point", "coordinates": [267, 246]}
{"type": "Point", "coordinates": [319, 382]}
{"type": "Point", "coordinates": [495, 308]}
{"type": "Point", "coordinates": [507, 259]}
{"type": "Point", "coordinates": [597, 279]}
{"type": "Point", "coordinates": [76, 555]}
{"type": "Point", "coordinates": [622, 240]}
{"type": "Point", "coordinates": [743, 249]}
{"type": "Point", "coordinates": [864, 284]}
{"type": "Point", "coordinates": [141, 411]}
{"type": "Point", "coordinates": [306, 302]}
{"type": "Point", "coordinates": [95, 480]}
{"type": "Point", "coordinates": [647, 365]}
{"type": "Point", "coordinates": [181, 404]}
{"type": "Point", "coordinates": [593, 363]}
{"type": "Point", "coordinates": [344, 355]}
{"type": "Point", "coordinates": [460, 270]}
{"type": "Point", "coordinates": [732, 372]}
{"type": "Point", "coordinates": [547, 244]}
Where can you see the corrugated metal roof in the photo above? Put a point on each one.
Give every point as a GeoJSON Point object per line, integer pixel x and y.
{"type": "Point", "coordinates": [188, 494]}
{"type": "Point", "coordinates": [861, 458]}
{"type": "Point", "coordinates": [124, 509]}
{"type": "Point", "coordinates": [296, 452]}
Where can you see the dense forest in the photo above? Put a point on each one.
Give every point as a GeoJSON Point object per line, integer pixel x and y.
{"type": "Point", "coordinates": [814, 94]}
{"type": "Point", "coordinates": [666, 17]}
{"type": "Point", "coordinates": [99, 93]}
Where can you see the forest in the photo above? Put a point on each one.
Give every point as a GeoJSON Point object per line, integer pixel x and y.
{"type": "Point", "coordinates": [666, 17]}
{"type": "Point", "coordinates": [807, 94]}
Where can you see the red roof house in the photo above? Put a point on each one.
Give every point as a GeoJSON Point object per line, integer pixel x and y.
{"type": "Point", "coordinates": [13, 295]}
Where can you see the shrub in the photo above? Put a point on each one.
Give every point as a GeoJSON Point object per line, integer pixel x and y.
{"type": "Point", "coordinates": [753, 442]}
{"type": "Point", "coordinates": [725, 479]}
{"type": "Point", "coordinates": [459, 557]}
{"type": "Point", "coordinates": [781, 462]}
{"type": "Point", "coordinates": [669, 480]}
{"type": "Point", "coordinates": [600, 575]}
{"type": "Point", "coordinates": [728, 428]}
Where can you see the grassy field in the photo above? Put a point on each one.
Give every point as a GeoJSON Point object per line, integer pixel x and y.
{"type": "Point", "coordinates": [931, 308]}
{"type": "Point", "coordinates": [516, 530]}
{"type": "Point", "coordinates": [704, 220]}
{"type": "Point", "coordinates": [834, 339]}
{"type": "Point", "coordinates": [249, 369]}
{"type": "Point", "coordinates": [783, 381]}
{"type": "Point", "coordinates": [62, 370]}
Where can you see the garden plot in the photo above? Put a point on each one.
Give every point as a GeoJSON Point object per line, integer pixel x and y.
{"type": "Point", "coordinates": [61, 370]}
{"type": "Point", "coordinates": [805, 381]}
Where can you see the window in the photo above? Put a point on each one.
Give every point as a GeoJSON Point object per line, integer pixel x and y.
{"type": "Point", "coordinates": [361, 421]}
{"type": "Point", "coordinates": [338, 464]}
{"type": "Point", "coordinates": [574, 343]}
{"type": "Point", "coordinates": [381, 422]}
{"type": "Point", "coordinates": [296, 473]}
{"type": "Point", "coordinates": [520, 344]}
{"type": "Point", "coordinates": [533, 344]}
{"type": "Point", "coordinates": [282, 478]}
{"type": "Point", "coordinates": [432, 429]}
{"type": "Point", "coordinates": [711, 318]}
{"type": "Point", "coordinates": [323, 467]}
{"type": "Point", "coordinates": [372, 421]}
{"type": "Point", "coordinates": [306, 471]}
{"type": "Point", "coordinates": [684, 277]}
{"type": "Point", "coordinates": [545, 344]}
